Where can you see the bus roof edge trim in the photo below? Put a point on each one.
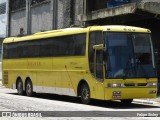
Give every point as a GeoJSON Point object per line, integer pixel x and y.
{"type": "Point", "coordinates": [46, 32]}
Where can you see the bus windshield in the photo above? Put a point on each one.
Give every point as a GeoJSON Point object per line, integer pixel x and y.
{"type": "Point", "coordinates": [130, 55]}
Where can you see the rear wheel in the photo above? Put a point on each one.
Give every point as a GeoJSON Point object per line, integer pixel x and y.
{"type": "Point", "coordinates": [127, 101]}
{"type": "Point", "coordinates": [85, 94]}
{"type": "Point", "coordinates": [29, 88]}
{"type": "Point", "coordinates": [20, 87]}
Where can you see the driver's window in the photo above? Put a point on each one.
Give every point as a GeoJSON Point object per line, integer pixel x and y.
{"type": "Point", "coordinates": [99, 65]}
{"type": "Point", "coordinates": [95, 38]}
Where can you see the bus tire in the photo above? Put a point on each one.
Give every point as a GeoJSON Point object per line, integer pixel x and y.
{"type": "Point", "coordinates": [20, 87]}
{"type": "Point", "coordinates": [85, 94]}
{"type": "Point", "coordinates": [127, 101]}
{"type": "Point", "coordinates": [29, 88]}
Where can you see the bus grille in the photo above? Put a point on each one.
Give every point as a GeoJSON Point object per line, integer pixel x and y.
{"type": "Point", "coordinates": [142, 84]}
{"type": "Point", "coordinates": [5, 77]}
{"type": "Point", "coordinates": [135, 84]}
{"type": "Point", "coordinates": [129, 84]}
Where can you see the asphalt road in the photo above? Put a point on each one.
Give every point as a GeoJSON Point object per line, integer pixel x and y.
{"type": "Point", "coordinates": [64, 107]}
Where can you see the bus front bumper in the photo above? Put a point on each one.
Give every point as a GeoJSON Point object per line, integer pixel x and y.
{"type": "Point", "coordinates": [130, 93]}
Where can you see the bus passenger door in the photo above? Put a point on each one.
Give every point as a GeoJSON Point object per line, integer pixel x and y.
{"type": "Point", "coordinates": [99, 73]}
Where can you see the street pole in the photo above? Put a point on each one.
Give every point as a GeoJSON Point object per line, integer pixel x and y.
{"type": "Point", "coordinates": [84, 6]}
{"type": "Point", "coordinates": [28, 16]}
{"type": "Point", "coordinates": [8, 19]}
{"type": "Point", "coordinates": [54, 6]}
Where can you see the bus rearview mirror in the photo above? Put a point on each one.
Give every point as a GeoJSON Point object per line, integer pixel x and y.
{"type": "Point", "coordinates": [98, 47]}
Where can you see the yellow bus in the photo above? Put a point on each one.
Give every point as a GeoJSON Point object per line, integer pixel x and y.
{"type": "Point", "coordinates": [97, 62]}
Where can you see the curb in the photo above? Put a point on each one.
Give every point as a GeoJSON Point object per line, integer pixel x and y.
{"type": "Point", "coordinates": [151, 102]}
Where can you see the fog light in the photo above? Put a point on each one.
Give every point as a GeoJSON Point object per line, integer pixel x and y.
{"type": "Point", "coordinates": [153, 92]}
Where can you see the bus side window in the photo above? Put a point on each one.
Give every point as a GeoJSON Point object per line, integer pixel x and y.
{"type": "Point", "coordinates": [33, 48]}
{"type": "Point", "coordinates": [5, 51]}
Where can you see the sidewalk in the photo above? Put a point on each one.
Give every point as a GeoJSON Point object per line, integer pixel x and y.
{"type": "Point", "coordinates": [148, 101]}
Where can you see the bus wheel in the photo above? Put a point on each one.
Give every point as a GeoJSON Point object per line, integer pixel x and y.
{"type": "Point", "coordinates": [85, 94]}
{"type": "Point", "coordinates": [29, 88]}
{"type": "Point", "coordinates": [127, 101]}
{"type": "Point", "coordinates": [20, 87]}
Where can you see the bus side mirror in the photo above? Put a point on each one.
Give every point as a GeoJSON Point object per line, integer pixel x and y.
{"type": "Point", "coordinates": [98, 47]}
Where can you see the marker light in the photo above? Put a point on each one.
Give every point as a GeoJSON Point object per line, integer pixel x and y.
{"type": "Point", "coordinates": [152, 84]}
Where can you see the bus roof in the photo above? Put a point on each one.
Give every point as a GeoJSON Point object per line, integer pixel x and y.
{"type": "Point", "coordinates": [76, 30]}
{"type": "Point", "coordinates": [120, 28]}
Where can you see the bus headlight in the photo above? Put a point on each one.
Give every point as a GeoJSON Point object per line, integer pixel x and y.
{"type": "Point", "coordinates": [115, 85]}
{"type": "Point", "coordinates": [152, 84]}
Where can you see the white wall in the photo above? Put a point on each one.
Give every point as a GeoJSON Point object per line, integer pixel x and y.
{"type": "Point", "coordinates": [3, 21]}
{"type": "Point", "coordinates": [3, 28]}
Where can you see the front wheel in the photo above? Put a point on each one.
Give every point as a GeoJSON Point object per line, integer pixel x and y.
{"type": "Point", "coordinates": [85, 94]}
{"type": "Point", "coordinates": [127, 101]}
{"type": "Point", "coordinates": [29, 88]}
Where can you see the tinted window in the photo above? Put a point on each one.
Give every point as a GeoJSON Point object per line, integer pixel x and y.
{"type": "Point", "coordinates": [99, 65]}
{"type": "Point", "coordinates": [33, 49]}
{"type": "Point", "coordinates": [72, 45]}
{"type": "Point", "coordinates": [12, 49]}
{"type": "Point", "coordinates": [45, 47]}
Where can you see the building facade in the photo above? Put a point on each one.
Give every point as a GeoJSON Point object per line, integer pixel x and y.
{"type": "Point", "coordinates": [41, 15]}
{"type": "Point", "coordinates": [31, 16]}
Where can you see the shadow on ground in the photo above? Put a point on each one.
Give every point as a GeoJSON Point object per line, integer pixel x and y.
{"type": "Point", "coordinates": [98, 103]}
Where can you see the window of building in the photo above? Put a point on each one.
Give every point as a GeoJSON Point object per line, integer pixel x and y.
{"type": "Point", "coordinates": [114, 3]}
{"type": "Point", "coordinates": [17, 4]}
{"type": "Point", "coordinates": [93, 5]}
{"type": "Point", "coordinates": [2, 8]}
